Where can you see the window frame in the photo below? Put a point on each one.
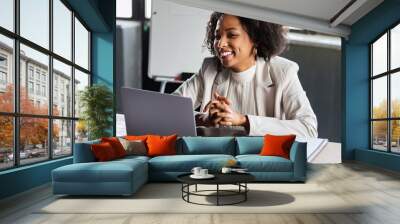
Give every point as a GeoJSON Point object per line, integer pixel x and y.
{"type": "Point", "coordinates": [15, 68]}
{"type": "Point", "coordinates": [388, 74]}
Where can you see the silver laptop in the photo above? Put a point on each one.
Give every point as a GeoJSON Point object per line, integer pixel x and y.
{"type": "Point", "coordinates": [148, 112]}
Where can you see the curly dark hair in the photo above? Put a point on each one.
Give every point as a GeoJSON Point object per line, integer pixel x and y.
{"type": "Point", "coordinates": [271, 43]}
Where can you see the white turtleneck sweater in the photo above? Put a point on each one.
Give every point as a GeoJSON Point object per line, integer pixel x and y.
{"type": "Point", "coordinates": [240, 91]}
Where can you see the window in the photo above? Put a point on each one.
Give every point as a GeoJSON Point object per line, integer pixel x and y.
{"type": "Point", "coordinates": [6, 75]}
{"type": "Point", "coordinates": [62, 74]}
{"type": "Point", "coordinates": [81, 81]}
{"type": "Point", "coordinates": [30, 72]}
{"type": "Point", "coordinates": [385, 94]}
{"type": "Point", "coordinates": [34, 21]}
{"type": "Point", "coordinates": [30, 87]}
{"type": "Point", "coordinates": [44, 91]}
{"type": "Point", "coordinates": [3, 72]}
{"type": "Point", "coordinates": [124, 9]}
{"type": "Point", "coordinates": [395, 47]}
{"type": "Point", "coordinates": [33, 149]}
{"type": "Point", "coordinates": [6, 142]}
{"type": "Point", "coordinates": [62, 29]}
{"type": "Point", "coordinates": [7, 14]}
{"type": "Point", "coordinates": [62, 140]}
{"type": "Point", "coordinates": [81, 45]}
{"type": "Point", "coordinates": [55, 102]}
{"type": "Point", "coordinates": [147, 8]}
{"type": "Point", "coordinates": [37, 75]}
{"type": "Point", "coordinates": [46, 73]}
{"type": "Point", "coordinates": [3, 78]}
{"type": "Point", "coordinates": [3, 61]}
{"type": "Point", "coordinates": [38, 89]}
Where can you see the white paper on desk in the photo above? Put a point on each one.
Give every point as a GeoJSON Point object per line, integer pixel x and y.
{"type": "Point", "coordinates": [314, 146]}
{"type": "Point", "coordinates": [120, 125]}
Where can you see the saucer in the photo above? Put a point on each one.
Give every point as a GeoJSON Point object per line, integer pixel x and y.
{"type": "Point", "coordinates": [208, 176]}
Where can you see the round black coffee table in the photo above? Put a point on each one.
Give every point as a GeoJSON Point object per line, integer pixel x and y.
{"type": "Point", "coordinates": [238, 179]}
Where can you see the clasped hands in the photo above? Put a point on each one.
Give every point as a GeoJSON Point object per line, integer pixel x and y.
{"type": "Point", "coordinates": [219, 113]}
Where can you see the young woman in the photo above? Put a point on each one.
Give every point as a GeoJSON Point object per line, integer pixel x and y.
{"type": "Point", "coordinates": [246, 83]}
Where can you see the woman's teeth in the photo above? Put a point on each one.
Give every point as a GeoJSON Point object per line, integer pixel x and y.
{"type": "Point", "coordinates": [226, 53]}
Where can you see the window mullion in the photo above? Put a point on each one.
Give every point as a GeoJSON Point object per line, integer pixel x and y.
{"type": "Point", "coordinates": [389, 92]}
{"type": "Point", "coordinates": [50, 81]}
{"type": "Point", "coordinates": [73, 82]}
{"type": "Point", "coordinates": [89, 54]}
{"type": "Point", "coordinates": [16, 69]}
{"type": "Point", "coordinates": [371, 98]}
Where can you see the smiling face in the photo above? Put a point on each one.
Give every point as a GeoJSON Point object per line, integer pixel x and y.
{"type": "Point", "coordinates": [232, 44]}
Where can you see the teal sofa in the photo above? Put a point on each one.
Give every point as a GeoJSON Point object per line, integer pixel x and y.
{"type": "Point", "coordinates": [125, 176]}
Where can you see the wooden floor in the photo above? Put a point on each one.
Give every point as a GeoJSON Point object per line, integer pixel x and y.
{"type": "Point", "coordinates": [377, 188]}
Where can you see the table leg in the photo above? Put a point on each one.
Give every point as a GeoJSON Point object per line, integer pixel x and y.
{"type": "Point", "coordinates": [245, 191]}
{"type": "Point", "coordinates": [217, 194]}
{"type": "Point", "coordinates": [196, 188]}
{"type": "Point", "coordinates": [182, 188]}
{"type": "Point", "coordinates": [188, 190]}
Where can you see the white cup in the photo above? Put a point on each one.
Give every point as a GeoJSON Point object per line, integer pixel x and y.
{"type": "Point", "coordinates": [196, 171]}
{"type": "Point", "coordinates": [226, 170]}
{"type": "Point", "coordinates": [203, 172]}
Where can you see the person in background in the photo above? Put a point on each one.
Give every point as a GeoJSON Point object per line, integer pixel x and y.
{"type": "Point", "coordinates": [246, 83]}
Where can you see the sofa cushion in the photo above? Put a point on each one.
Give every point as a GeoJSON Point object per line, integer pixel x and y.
{"type": "Point", "coordinates": [249, 145]}
{"type": "Point", "coordinates": [185, 163]}
{"type": "Point", "coordinates": [111, 171]}
{"type": "Point", "coordinates": [257, 163]}
{"type": "Point", "coordinates": [208, 145]}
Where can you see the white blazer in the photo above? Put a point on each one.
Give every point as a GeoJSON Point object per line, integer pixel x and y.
{"type": "Point", "coordinates": [282, 105]}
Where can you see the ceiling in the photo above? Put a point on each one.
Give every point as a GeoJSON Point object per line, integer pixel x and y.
{"type": "Point", "coordinates": [326, 16]}
{"type": "Point", "coordinates": [319, 9]}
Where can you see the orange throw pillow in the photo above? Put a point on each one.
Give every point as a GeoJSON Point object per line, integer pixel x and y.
{"type": "Point", "coordinates": [277, 145]}
{"type": "Point", "coordinates": [161, 145]}
{"type": "Point", "coordinates": [116, 145]}
{"type": "Point", "coordinates": [103, 152]}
